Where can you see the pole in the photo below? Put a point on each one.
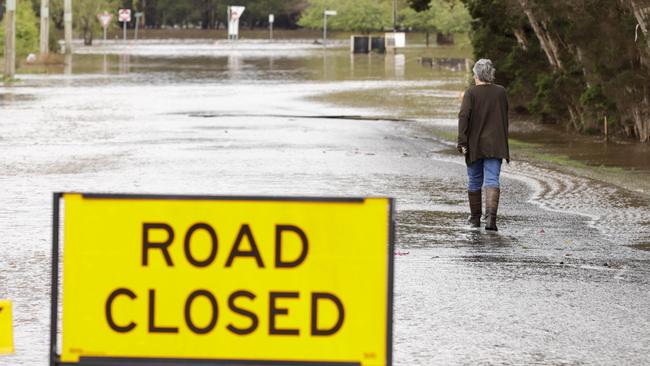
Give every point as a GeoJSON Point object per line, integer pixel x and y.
{"type": "Point", "coordinates": [104, 34]}
{"type": "Point", "coordinates": [124, 23]}
{"type": "Point", "coordinates": [324, 30]}
{"type": "Point", "coordinates": [271, 31]}
{"type": "Point", "coordinates": [394, 15]}
{"type": "Point", "coordinates": [10, 40]}
{"type": "Point", "coordinates": [137, 23]}
{"type": "Point", "coordinates": [67, 19]}
{"type": "Point", "coordinates": [606, 132]}
{"type": "Point", "coordinates": [45, 27]}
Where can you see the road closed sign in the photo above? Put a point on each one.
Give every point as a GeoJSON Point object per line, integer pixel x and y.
{"type": "Point", "coordinates": [223, 280]}
{"type": "Point", "coordinates": [6, 328]}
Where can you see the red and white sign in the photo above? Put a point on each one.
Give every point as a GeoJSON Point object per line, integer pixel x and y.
{"type": "Point", "coordinates": [124, 15]}
{"type": "Point", "coordinates": [105, 19]}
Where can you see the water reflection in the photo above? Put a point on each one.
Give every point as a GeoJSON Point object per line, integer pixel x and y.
{"type": "Point", "coordinates": [67, 68]}
{"type": "Point", "coordinates": [125, 64]}
{"type": "Point", "coordinates": [105, 64]}
{"type": "Point", "coordinates": [251, 61]}
{"type": "Point", "coordinates": [395, 65]}
{"type": "Point", "coordinates": [234, 65]}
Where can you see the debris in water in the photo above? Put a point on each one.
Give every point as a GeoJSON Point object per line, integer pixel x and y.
{"type": "Point", "coordinates": [399, 254]}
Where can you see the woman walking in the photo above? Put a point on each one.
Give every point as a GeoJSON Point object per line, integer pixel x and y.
{"type": "Point", "coordinates": [483, 139]}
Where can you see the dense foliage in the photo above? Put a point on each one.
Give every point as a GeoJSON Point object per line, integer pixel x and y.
{"type": "Point", "coordinates": [84, 15]}
{"type": "Point", "coordinates": [445, 17]}
{"type": "Point", "coordinates": [210, 14]}
{"type": "Point", "coordinates": [571, 62]}
{"type": "Point", "coordinates": [437, 16]}
{"type": "Point", "coordinates": [26, 30]}
{"type": "Point", "coordinates": [358, 15]}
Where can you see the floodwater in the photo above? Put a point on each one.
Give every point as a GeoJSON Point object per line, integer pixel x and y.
{"type": "Point", "coordinates": [562, 283]}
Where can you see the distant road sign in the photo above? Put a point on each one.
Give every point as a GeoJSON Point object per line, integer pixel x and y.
{"type": "Point", "coordinates": [271, 18]}
{"type": "Point", "coordinates": [234, 13]}
{"type": "Point", "coordinates": [105, 19]}
{"type": "Point", "coordinates": [124, 15]}
{"type": "Point", "coordinates": [227, 280]}
{"type": "Point", "coordinates": [330, 12]}
{"type": "Point", "coordinates": [6, 328]}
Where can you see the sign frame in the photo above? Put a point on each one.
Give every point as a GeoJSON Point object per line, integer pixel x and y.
{"type": "Point", "coordinates": [54, 357]}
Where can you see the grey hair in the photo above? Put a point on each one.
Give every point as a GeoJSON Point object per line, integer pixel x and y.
{"type": "Point", "coordinates": [484, 70]}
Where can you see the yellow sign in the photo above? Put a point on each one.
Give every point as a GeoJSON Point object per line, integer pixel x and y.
{"type": "Point", "coordinates": [229, 279]}
{"type": "Point", "coordinates": [6, 328]}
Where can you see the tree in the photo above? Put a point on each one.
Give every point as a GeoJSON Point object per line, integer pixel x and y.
{"type": "Point", "coordinates": [84, 15]}
{"type": "Point", "coordinates": [359, 15]}
{"type": "Point", "coordinates": [445, 17]}
{"type": "Point", "coordinates": [570, 62]}
{"type": "Point", "coordinates": [26, 30]}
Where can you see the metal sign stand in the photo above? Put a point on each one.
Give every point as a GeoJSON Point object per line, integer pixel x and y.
{"type": "Point", "coordinates": [124, 16]}
{"type": "Point", "coordinates": [104, 20]}
{"type": "Point", "coordinates": [138, 15]}
{"type": "Point", "coordinates": [326, 13]}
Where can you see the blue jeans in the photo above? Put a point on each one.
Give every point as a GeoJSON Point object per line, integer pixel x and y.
{"type": "Point", "coordinates": [484, 172]}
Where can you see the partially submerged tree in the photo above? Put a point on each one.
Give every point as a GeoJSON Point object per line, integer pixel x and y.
{"type": "Point", "coordinates": [359, 15]}
{"type": "Point", "coordinates": [443, 17]}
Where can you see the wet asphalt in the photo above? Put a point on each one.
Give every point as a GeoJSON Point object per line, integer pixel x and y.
{"type": "Point", "coordinates": [561, 283]}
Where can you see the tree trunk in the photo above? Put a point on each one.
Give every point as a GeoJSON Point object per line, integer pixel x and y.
{"type": "Point", "coordinates": [641, 15]}
{"type": "Point", "coordinates": [539, 27]}
{"type": "Point", "coordinates": [88, 36]}
{"type": "Point", "coordinates": [428, 35]}
{"type": "Point", "coordinates": [144, 14]}
{"type": "Point", "coordinates": [521, 38]}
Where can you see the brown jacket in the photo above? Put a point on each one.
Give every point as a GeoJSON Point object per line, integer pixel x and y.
{"type": "Point", "coordinates": [483, 123]}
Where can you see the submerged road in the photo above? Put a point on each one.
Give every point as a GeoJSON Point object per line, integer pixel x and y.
{"type": "Point", "coordinates": [560, 283]}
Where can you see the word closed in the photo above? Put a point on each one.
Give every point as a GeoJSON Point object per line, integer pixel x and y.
{"type": "Point", "coordinates": [224, 280]}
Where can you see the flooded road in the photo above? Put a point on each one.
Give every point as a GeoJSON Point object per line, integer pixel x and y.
{"type": "Point", "coordinates": [562, 282]}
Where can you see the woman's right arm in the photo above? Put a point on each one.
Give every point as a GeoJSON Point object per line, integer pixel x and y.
{"type": "Point", "coordinates": [463, 121]}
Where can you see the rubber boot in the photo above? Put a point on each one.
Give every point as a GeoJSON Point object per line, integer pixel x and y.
{"type": "Point", "coordinates": [491, 207]}
{"type": "Point", "coordinates": [475, 210]}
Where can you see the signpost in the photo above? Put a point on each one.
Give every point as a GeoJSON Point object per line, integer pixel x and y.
{"type": "Point", "coordinates": [234, 13]}
{"type": "Point", "coordinates": [326, 13]}
{"type": "Point", "coordinates": [124, 16]}
{"type": "Point", "coordinates": [6, 328]}
{"type": "Point", "coordinates": [138, 15]}
{"type": "Point", "coordinates": [198, 280]}
{"type": "Point", "coordinates": [105, 20]}
{"type": "Point", "coordinates": [271, 21]}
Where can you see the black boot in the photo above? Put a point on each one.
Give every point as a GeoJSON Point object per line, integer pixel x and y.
{"type": "Point", "coordinates": [475, 210]}
{"type": "Point", "coordinates": [491, 207]}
